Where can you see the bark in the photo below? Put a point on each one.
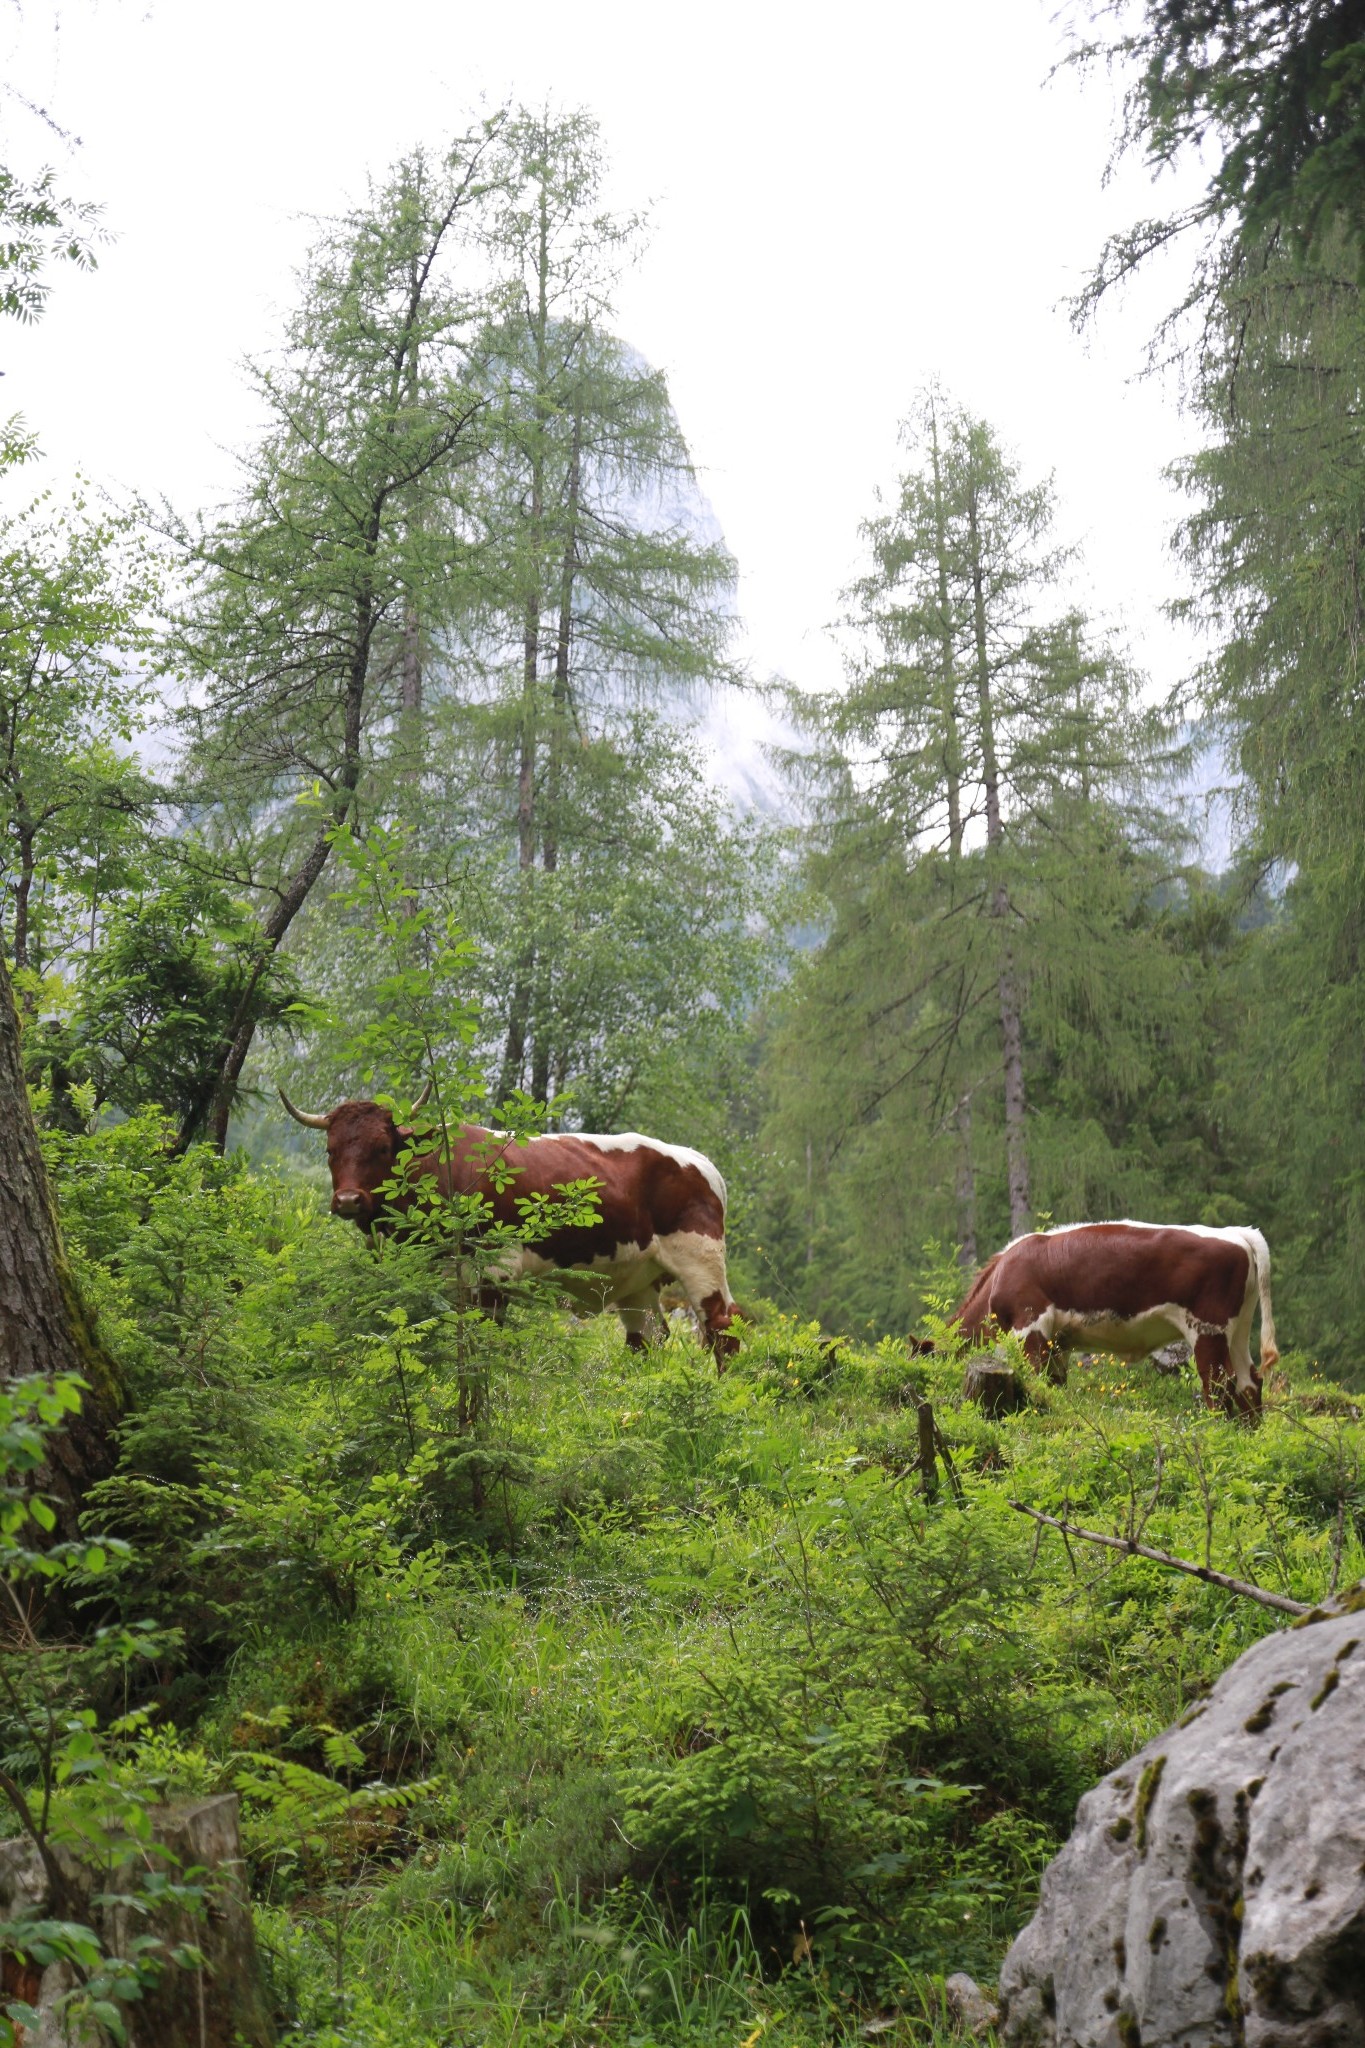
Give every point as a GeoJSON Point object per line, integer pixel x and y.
{"type": "Point", "coordinates": [23, 891]}
{"type": "Point", "coordinates": [519, 1009]}
{"type": "Point", "coordinates": [966, 1186]}
{"type": "Point", "coordinates": [952, 738]}
{"type": "Point", "coordinates": [1011, 1028]}
{"type": "Point", "coordinates": [44, 1327]}
{"type": "Point", "coordinates": [810, 1204]}
{"type": "Point", "coordinates": [411, 685]}
{"type": "Point", "coordinates": [410, 734]}
{"type": "Point", "coordinates": [558, 741]}
{"type": "Point", "coordinates": [214, 1100]}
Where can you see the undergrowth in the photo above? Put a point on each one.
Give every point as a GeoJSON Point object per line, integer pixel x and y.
{"type": "Point", "coordinates": [581, 1696]}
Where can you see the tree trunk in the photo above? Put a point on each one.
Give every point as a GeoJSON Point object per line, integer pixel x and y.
{"type": "Point", "coordinates": [43, 1326]}
{"type": "Point", "coordinates": [966, 1186]}
{"type": "Point", "coordinates": [22, 894]}
{"type": "Point", "coordinates": [952, 738]}
{"type": "Point", "coordinates": [558, 741]}
{"type": "Point", "coordinates": [410, 734]}
{"type": "Point", "coordinates": [1016, 1146]}
{"type": "Point", "coordinates": [519, 1010]}
{"type": "Point", "coordinates": [1011, 1028]}
{"type": "Point", "coordinates": [214, 1101]}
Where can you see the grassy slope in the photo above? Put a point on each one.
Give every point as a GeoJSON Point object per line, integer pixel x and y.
{"type": "Point", "coordinates": [709, 1724]}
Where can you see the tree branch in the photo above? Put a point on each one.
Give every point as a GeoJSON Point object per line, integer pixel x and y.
{"type": "Point", "coordinates": [1131, 1548]}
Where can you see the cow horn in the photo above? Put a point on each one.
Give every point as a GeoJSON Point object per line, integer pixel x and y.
{"type": "Point", "coordinates": [301, 1116]}
{"type": "Point", "coordinates": [421, 1101]}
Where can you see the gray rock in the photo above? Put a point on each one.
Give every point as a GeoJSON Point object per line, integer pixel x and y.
{"type": "Point", "coordinates": [1213, 1889]}
{"type": "Point", "coordinates": [968, 2006]}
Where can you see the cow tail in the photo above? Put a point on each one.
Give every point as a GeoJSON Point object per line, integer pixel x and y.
{"type": "Point", "coordinates": [1260, 1255]}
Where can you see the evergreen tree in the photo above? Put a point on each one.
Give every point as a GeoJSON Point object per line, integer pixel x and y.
{"type": "Point", "coordinates": [603, 597]}
{"type": "Point", "coordinates": [1271, 95]}
{"type": "Point", "coordinates": [44, 1326]}
{"type": "Point", "coordinates": [304, 595]}
{"type": "Point", "coordinates": [1274, 545]}
{"type": "Point", "coordinates": [979, 863]}
{"type": "Point", "coordinates": [552, 803]}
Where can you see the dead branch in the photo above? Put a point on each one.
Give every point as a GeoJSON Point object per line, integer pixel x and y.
{"type": "Point", "coordinates": [1132, 1548]}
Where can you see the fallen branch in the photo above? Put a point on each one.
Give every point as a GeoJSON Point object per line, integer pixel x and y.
{"type": "Point", "coordinates": [1132, 1548]}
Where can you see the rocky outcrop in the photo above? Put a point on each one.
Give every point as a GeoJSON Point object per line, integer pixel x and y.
{"type": "Point", "coordinates": [1212, 1894]}
{"type": "Point", "coordinates": [219, 2003]}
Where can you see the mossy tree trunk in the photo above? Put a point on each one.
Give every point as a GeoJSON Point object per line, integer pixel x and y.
{"type": "Point", "coordinates": [43, 1326]}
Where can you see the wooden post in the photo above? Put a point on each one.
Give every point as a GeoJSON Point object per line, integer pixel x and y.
{"type": "Point", "coordinates": [928, 1466]}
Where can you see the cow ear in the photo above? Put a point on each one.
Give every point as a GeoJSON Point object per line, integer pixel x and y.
{"type": "Point", "coordinates": [405, 1132]}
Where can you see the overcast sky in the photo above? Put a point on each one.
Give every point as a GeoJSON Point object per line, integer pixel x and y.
{"type": "Point", "coordinates": [845, 202]}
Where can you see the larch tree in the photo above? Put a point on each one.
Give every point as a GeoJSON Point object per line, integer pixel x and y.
{"type": "Point", "coordinates": [968, 789]}
{"type": "Point", "coordinates": [1273, 543]}
{"type": "Point", "coordinates": [349, 539]}
{"type": "Point", "coordinates": [602, 597]}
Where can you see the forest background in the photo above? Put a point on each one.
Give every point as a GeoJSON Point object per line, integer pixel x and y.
{"type": "Point", "coordinates": [433, 804]}
{"type": "Point", "coordinates": [960, 967]}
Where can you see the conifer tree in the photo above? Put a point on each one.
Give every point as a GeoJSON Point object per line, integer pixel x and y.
{"type": "Point", "coordinates": [1273, 543]}
{"type": "Point", "coordinates": [307, 597]}
{"type": "Point", "coordinates": [603, 598]}
{"type": "Point", "coordinates": [969, 785]}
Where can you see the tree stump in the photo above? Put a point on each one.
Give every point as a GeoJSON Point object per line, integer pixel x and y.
{"type": "Point", "coordinates": [994, 1385]}
{"type": "Point", "coordinates": [220, 2004]}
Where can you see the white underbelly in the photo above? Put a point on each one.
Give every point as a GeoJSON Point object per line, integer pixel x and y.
{"type": "Point", "coordinates": [616, 1275]}
{"type": "Point", "coordinates": [1127, 1336]}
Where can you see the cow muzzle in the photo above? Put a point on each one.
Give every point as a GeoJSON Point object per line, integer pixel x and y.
{"type": "Point", "coordinates": [353, 1203]}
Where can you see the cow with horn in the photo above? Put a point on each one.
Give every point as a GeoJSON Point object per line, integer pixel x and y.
{"type": "Point", "coordinates": [661, 1208]}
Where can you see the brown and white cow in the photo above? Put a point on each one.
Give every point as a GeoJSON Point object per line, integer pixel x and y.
{"type": "Point", "coordinates": [1131, 1287]}
{"type": "Point", "coordinates": [661, 1208]}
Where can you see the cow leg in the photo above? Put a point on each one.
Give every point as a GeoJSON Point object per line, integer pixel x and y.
{"type": "Point", "coordinates": [1046, 1356]}
{"type": "Point", "coordinates": [697, 1263]}
{"type": "Point", "coordinates": [636, 1312]}
{"type": "Point", "coordinates": [1211, 1357]}
{"type": "Point", "coordinates": [1248, 1396]}
{"type": "Point", "coordinates": [1043, 1354]}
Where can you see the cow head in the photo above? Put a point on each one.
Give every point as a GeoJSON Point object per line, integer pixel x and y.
{"type": "Point", "coordinates": [363, 1144]}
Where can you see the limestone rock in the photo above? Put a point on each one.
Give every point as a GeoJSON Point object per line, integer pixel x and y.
{"type": "Point", "coordinates": [219, 2005]}
{"type": "Point", "coordinates": [968, 2006]}
{"type": "Point", "coordinates": [1212, 1894]}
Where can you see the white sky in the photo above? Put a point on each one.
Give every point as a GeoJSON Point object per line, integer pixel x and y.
{"type": "Point", "coordinates": [845, 201]}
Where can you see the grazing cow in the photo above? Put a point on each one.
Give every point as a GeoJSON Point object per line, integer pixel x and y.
{"type": "Point", "coordinates": [1129, 1287]}
{"type": "Point", "coordinates": [661, 1208]}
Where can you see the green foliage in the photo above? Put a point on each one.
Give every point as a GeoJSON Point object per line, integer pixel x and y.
{"type": "Point", "coordinates": [574, 1694]}
{"type": "Point", "coordinates": [72, 804]}
{"type": "Point", "coordinates": [177, 966]}
{"type": "Point", "coordinates": [979, 1035]}
{"type": "Point", "coordinates": [60, 1779]}
{"type": "Point", "coordinates": [690, 1662]}
{"type": "Point", "coordinates": [38, 225]}
{"type": "Point", "coordinates": [1271, 97]}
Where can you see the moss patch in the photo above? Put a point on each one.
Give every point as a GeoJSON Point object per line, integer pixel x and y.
{"type": "Point", "coordinates": [1146, 1793]}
